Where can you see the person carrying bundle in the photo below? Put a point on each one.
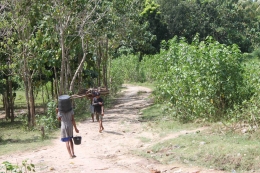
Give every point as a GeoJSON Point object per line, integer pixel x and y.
{"type": "Point", "coordinates": [98, 104]}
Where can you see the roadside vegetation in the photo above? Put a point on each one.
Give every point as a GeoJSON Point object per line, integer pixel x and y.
{"type": "Point", "coordinates": [216, 147]}
{"type": "Point", "coordinates": [202, 84]}
{"type": "Point", "coordinates": [201, 58]}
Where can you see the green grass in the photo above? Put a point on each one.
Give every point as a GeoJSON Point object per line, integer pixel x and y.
{"type": "Point", "coordinates": [213, 148]}
{"type": "Point", "coordinates": [14, 139]}
{"type": "Point", "coordinates": [20, 100]}
{"type": "Point", "coordinates": [156, 117]}
{"type": "Point", "coordinates": [223, 152]}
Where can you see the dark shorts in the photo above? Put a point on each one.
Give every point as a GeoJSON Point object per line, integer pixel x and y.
{"type": "Point", "coordinates": [66, 139]}
{"type": "Point", "coordinates": [99, 116]}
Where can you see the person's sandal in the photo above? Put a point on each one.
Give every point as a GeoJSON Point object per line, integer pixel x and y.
{"type": "Point", "coordinates": [72, 157]}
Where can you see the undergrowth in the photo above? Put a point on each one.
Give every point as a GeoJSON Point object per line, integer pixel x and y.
{"type": "Point", "coordinates": [218, 147]}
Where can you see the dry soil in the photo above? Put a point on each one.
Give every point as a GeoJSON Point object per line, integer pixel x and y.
{"type": "Point", "coordinates": [112, 150]}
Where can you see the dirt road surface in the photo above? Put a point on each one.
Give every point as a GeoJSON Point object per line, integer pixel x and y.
{"type": "Point", "coordinates": [110, 151]}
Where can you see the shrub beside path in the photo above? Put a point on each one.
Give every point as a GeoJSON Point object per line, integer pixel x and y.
{"type": "Point", "coordinates": [110, 151]}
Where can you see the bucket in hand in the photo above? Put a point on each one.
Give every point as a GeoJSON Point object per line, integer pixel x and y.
{"type": "Point", "coordinates": [77, 140]}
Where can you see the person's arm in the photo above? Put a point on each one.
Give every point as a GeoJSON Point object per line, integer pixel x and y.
{"type": "Point", "coordinates": [101, 103]}
{"type": "Point", "coordinates": [74, 124]}
{"type": "Point", "coordinates": [102, 110]}
{"type": "Point", "coordinates": [57, 113]}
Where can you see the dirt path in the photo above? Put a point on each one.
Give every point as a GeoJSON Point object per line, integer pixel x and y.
{"type": "Point", "coordinates": [110, 151]}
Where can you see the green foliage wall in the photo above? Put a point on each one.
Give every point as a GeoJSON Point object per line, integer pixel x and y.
{"type": "Point", "coordinates": [198, 80]}
{"type": "Point", "coordinates": [125, 69]}
{"type": "Point", "coordinates": [203, 80]}
{"type": "Point", "coordinates": [248, 112]}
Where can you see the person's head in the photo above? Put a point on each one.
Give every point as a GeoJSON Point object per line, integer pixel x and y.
{"type": "Point", "coordinates": [97, 94]}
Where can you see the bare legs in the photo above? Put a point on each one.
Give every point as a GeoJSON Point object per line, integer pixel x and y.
{"type": "Point", "coordinates": [92, 116]}
{"type": "Point", "coordinates": [97, 116]}
{"type": "Point", "coordinates": [101, 128]}
{"type": "Point", "coordinates": [70, 148]}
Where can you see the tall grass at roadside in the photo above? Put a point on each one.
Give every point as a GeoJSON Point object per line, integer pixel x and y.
{"type": "Point", "coordinates": [17, 137]}
{"type": "Point", "coordinates": [20, 100]}
{"type": "Point", "coordinates": [155, 116]}
{"type": "Point", "coordinates": [216, 147]}
{"type": "Point", "coordinates": [14, 139]}
{"type": "Point", "coordinates": [223, 152]}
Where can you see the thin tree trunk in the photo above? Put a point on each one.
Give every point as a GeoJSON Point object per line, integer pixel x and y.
{"type": "Point", "coordinates": [67, 72]}
{"type": "Point", "coordinates": [52, 89]}
{"type": "Point", "coordinates": [43, 94]}
{"type": "Point", "coordinates": [99, 63]}
{"type": "Point", "coordinates": [47, 91]}
{"type": "Point", "coordinates": [3, 100]}
{"type": "Point", "coordinates": [80, 65]}
{"type": "Point", "coordinates": [32, 103]}
{"type": "Point", "coordinates": [7, 107]}
{"type": "Point", "coordinates": [29, 94]}
{"type": "Point", "coordinates": [56, 84]}
{"type": "Point", "coordinates": [105, 65]}
{"type": "Point", "coordinates": [62, 72]}
{"type": "Point", "coordinates": [27, 99]}
{"type": "Point", "coordinates": [11, 107]}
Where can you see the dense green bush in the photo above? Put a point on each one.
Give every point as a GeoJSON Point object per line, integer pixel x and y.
{"type": "Point", "coordinates": [203, 80]}
{"type": "Point", "coordinates": [248, 112]}
{"type": "Point", "coordinates": [198, 80]}
{"type": "Point", "coordinates": [80, 106]}
{"type": "Point", "coordinates": [117, 79]}
{"type": "Point", "coordinates": [49, 121]}
{"type": "Point", "coordinates": [125, 69]}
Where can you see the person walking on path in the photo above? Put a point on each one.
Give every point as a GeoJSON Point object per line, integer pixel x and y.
{"type": "Point", "coordinates": [99, 110]}
{"type": "Point", "coordinates": [67, 124]}
{"type": "Point", "coordinates": [91, 106]}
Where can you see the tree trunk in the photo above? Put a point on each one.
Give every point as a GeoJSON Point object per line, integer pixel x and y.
{"type": "Point", "coordinates": [6, 98]}
{"type": "Point", "coordinates": [7, 107]}
{"type": "Point", "coordinates": [47, 91]}
{"type": "Point", "coordinates": [43, 94]}
{"type": "Point", "coordinates": [29, 94]}
{"type": "Point", "coordinates": [11, 107]}
{"type": "Point", "coordinates": [56, 84]}
{"type": "Point", "coordinates": [80, 65]}
{"type": "Point", "coordinates": [32, 103]}
{"type": "Point", "coordinates": [52, 89]}
{"type": "Point", "coordinates": [62, 72]}
{"type": "Point", "coordinates": [105, 65]}
{"type": "Point", "coordinates": [67, 73]}
{"type": "Point", "coordinates": [27, 100]}
{"type": "Point", "coordinates": [3, 100]}
{"type": "Point", "coordinates": [99, 59]}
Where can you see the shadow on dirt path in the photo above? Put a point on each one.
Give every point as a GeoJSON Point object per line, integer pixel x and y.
{"type": "Point", "coordinates": [110, 151]}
